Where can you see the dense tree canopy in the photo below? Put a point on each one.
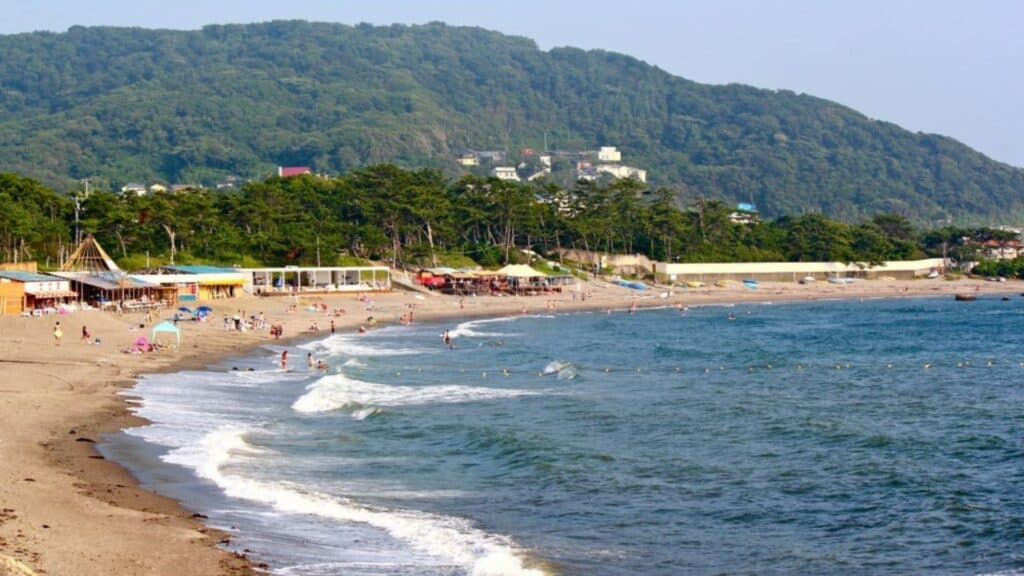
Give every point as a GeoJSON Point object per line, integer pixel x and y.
{"type": "Point", "coordinates": [121, 105]}
{"type": "Point", "coordinates": [419, 217]}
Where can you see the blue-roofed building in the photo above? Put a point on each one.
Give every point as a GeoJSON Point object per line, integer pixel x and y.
{"type": "Point", "coordinates": [746, 213]}
{"type": "Point", "coordinates": [26, 292]}
{"type": "Point", "coordinates": [198, 282]}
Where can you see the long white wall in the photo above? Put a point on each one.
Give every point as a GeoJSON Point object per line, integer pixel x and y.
{"type": "Point", "coordinates": [721, 269]}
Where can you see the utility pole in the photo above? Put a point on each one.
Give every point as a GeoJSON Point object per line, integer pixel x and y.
{"type": "Point", "coordinates": [78, 208]}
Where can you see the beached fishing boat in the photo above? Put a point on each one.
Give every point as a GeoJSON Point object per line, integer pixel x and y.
{"type": "Point", "coordinates": [750, 283]}
{"type": "Point", "coordinates": [630, 284]}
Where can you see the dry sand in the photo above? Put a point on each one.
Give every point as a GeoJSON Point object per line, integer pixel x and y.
{"type": "Point", "coordinates": [66, 511]}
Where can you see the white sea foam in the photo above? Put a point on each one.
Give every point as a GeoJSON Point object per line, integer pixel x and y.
{"type": "Point", "coordinates": [359, 345]}
{"type": "Point", "coordinates": [364, 413]}
{"type": "Point", "coordinates": [338, 391]}
{"type": "Point", "coordinates": [469, 329]}
{"type": "Point", "coordinates": [453, 539]}
{"type": "Point", "coordinates": [354, 363]}
{"type": "Point", "coordinates": [555, 367]}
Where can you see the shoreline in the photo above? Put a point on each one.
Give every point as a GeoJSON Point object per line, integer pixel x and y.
{"type": "Point", "coordinates": [64, 509]}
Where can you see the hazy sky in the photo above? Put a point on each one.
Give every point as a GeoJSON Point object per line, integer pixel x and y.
{"type": "Point", "coordinates": [938, 66]}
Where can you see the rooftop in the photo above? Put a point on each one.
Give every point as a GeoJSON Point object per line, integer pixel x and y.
{"type": "Point", "coordinates": [20, 276]}
{"type": "Point", "coordinates": [200, 269]}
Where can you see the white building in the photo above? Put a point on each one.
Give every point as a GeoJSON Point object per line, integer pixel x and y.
{"type": "Point", "coordinates": [620, 171]}
{"type": "Point", "coordinates": [505, 173]}
{"type": "Point", "coordinates": [793, 271]}
{"type": "Point", "coordinates": [134, 188]}
{"type": "Point", "coordinates": [609, 154]}
{"type": "Point", "coordinates": [469, 160]}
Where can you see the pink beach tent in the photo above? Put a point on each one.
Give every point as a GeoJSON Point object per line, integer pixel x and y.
{"type": "Point", "coordinates": [141, 344]}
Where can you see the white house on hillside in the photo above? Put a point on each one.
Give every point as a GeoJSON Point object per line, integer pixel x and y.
{"type": "Point", "coordinates": [609, 154]}
{"type": "Point", "coordinates": [134, 188]}
{"type": "Point", "coordinates": [469, 160]}
{"type": "Point", "coordinates": [505, 173]}
{"type": "Point", "coordinates": [620, 171]}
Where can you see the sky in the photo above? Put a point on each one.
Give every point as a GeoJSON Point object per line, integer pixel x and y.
{"type": "Point", "coordinates": [940, 66]}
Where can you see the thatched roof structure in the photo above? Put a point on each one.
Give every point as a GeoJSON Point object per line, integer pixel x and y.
{"type": "Point", "coordinates": [89, 257]}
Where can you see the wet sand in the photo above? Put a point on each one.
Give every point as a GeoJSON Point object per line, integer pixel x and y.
{"type": "Point", "coordinates": [64, 510]}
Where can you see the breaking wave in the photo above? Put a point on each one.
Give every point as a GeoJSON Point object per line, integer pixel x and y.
{"type": "Point", "coordinates": [337, 391]}
{"type": "Point", "coordinates": [453, 539]}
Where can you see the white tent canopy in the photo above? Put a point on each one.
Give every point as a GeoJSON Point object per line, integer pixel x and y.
{"type": "Point", "coordinates": [520, 271]}
{"type": "Point", "coordinates": [166, 326]}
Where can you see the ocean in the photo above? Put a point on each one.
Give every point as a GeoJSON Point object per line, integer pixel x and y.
{"type": "Point", "coordinates": [839, 437]}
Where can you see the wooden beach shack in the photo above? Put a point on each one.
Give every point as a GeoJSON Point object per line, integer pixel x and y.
{"type": "Point", "coordinates": [32, 293]}
{"type": "Point", "coordinates": [97, 280]}
{"type": "Point", "coordinates": [523, 280]}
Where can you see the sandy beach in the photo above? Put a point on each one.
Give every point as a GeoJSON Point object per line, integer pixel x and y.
{"type": "Point", "coordinates": [64, 510]}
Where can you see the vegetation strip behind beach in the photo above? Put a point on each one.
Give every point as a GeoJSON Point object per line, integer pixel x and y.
{"type": "Point", "coordinates": [420, 218]}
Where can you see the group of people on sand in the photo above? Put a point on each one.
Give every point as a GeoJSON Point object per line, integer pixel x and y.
{"type": "Point", "coordinates": [276, 330]}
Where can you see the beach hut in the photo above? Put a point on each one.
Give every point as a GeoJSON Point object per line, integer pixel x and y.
{"type": "Point", "coordinates": [522, 278]}
{"type": "Point", "coordinates": [166, 326]}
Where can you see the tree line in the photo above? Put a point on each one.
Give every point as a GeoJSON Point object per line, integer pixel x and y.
{"type": "Point", "coordinates": [421, 218]}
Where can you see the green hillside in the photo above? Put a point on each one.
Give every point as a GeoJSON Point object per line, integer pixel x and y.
{"type": "Point", "coordinates": [124, 104]}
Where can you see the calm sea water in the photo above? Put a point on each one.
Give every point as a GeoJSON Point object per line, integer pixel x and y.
{"type": "Point", "coordinates": [878, 437]}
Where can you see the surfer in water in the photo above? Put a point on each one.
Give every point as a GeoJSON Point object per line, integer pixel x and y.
{"type": "Point", "coordinates": [284, 359]}
{"type": "Point", "coordinates": [447, 339]}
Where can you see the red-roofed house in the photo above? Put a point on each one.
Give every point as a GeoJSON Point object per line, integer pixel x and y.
{"type": "Point", "coordinates": [1002, 250]}
{"type": "Point", "coordinates": [288, 171]}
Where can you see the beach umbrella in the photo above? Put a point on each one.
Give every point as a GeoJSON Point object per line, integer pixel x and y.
{"type": "Point", "coordinates": [185, 309]}
{"type": "Point", "coordinates": [204, 309]}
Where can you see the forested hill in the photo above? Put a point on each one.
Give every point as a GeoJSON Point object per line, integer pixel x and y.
{"type": "Point", "coordinates": [125, 104]}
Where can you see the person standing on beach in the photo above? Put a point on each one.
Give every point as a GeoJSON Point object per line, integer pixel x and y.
{"type": "Point", "coordinates": [86, 337]}
{"type": "Point", "coordinates": [58, 334]}
{"type": "Point", "coordinates": [332, 326]}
